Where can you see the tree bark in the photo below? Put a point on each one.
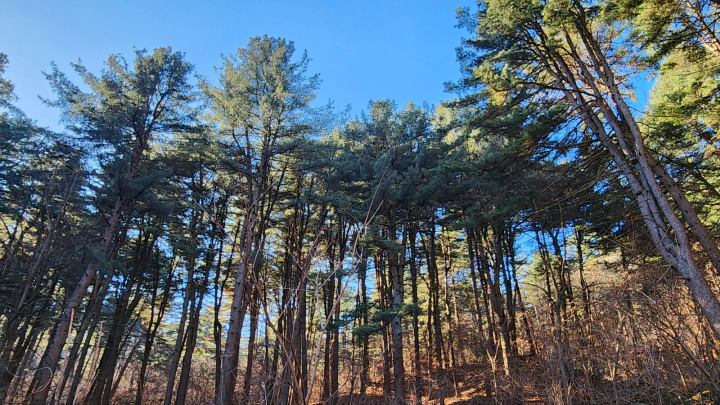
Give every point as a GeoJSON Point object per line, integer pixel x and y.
{"type": "Point", "coordinates": [412, 235]}
{"type": "Point", "coordinates": [397, 273]}
{"type": "Point", "coordinates": [45, 372]}
{"type": "Point", "coordinates": [247, 379]}
{"type": "Point", "coordinates": [628, 151]}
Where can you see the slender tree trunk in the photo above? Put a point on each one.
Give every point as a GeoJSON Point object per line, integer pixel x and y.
{"type": "Point", "coordinates": [329, 299]}
{"type": "Point", "coordinates": [397, 272]}
{"type": "Point", "coordinates": [100, 391]}
{"type": "Point", "coordinates": [560, 347]}
{"type": "Point", "coordinates": [288, 354]}
{"type": "Point", "coordinates": [584, 290]}
{"type": "Point", "coordinates": [78, 375]}
{"type": "Point", "coordinates": [303, 338]}
{"type": "Point", "coordinates": [381, 278]}
{"type": "Point", "coordinates": [476, 295]}
{"type": "Point", "coordinates": [526, 324]}
{"type": "Point", "coordinates": [416, 311]}
{"type": "Point", "coordinates": [496, 301]}
{"type": "Point", "coordinates": [449, 321]}
{"type": "Point", "coordinates": [362, 275]}
{"type": "Point", "coordinates": [91, 317]}
{"type": "Point", "coordinates": [446, 300]}
{"type": "Point", "coordinates": [187, 307]}
{"type": "Point", "coordinates": [228, 374]}
{"type": "Point", "coordinates": [101, 388]}
{"type": "Point", "coordinates": [511, 299]}
{"type": "Point", "coordinates": [32, 342]}
{"type": "Point", "coordinates": [45, 372]}
{"type": "Point", "coordinates": [254, 306]}
{"type": "Point", "coordinates": [296, 365]}
{"type": "Point", "coordinates": [123, 368]}
{"type": "Point", "coordinates": [335, 379]}
{"type": "Point", "coordinates": [153, 324]}
{"type": "Point", "coordinates": [10, 359]}
{"type": "Point", "coordinates": [219, 287]}
{"type": "Point", "coordinates": [190, 343]}
{"type": "Point", "coordinates": [271, 391]}
{"type": "Point", "coordinates": [435, 293]}
{"type": "Point", "coordinates": [626, 146]}
{"type": "Point", "coordinates": [481, 263]}
{"type": "Point", "coordinates": [330, 377]}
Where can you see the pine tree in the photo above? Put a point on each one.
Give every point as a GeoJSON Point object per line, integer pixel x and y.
{"type": "Point", "coordinates": [263, 106]}
{"type": "Point", "coordinates": [120, 119]}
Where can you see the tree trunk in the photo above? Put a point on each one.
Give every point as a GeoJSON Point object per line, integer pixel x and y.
{"type": "Point", "coordinates": [381, 278]}
{"type": "Point", "coordinates": [190, 343]}
{"type": "Point", "coordinates": [45, 372]}
{"type": "Point", "coordinates": [640, 169]}
{"type": "Point", "coordinates": [329, 300]}
{"type": "Point", "coordinates": [123, 368]}
{"type": "Point", "coordinates": [77, 377]}
{"type": "Point", "coordinates": [362, 275]}
{"type": "Point", "coordinates": [154, 323]}
{"type": "Point", "coordinates": [446, 300]}
{"type": "Point", "coordinates": [584, 290]}
{"type": "Point", "coordinates": [101, 389]}
{"type": "Point", "coordinates": [228, 374]}
{"type": "Point", "coordinates": [435, 294]}
{"type": "Point", "coordinates": [335, 376]}
{"type": "Point", "coordinates": [397, 273]}
{"type": "Point", "coordinates": [416, 311]}
{"type": "Point", "coordinates": [91, 317]}
{"type": "Point", "coordinates": [247, 379]}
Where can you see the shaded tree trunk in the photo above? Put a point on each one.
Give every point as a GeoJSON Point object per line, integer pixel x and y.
{"type": "Point", "coordinates": [254, 307]}
{"type": "Point", "coordinates": [412, 236]}
{"type": "Point", "coordinates": [397, 272]}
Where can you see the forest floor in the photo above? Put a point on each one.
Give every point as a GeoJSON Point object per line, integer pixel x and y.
{"type": "Point", "coordinates": [466, 385]}
{"type": "Point", "coordinates": [529, 383]}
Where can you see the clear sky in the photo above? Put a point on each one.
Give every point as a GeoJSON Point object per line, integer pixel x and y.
{"type": "Point", "coordinates": [363, 50]}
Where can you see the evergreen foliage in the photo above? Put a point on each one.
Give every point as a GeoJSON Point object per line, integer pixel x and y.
{"type": "Point", "coordinates": [233, 241]}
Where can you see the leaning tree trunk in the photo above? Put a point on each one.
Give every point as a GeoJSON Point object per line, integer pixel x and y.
{"type": "Point", "coordinates": [43, 377]}
{"type": "Point", "coordinates": [600, 102]}
{"type": "Point", "coordinates": [45, 372]}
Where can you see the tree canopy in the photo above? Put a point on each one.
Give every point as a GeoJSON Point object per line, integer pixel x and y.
{"type": "Point", "coordinates": [545, 236]}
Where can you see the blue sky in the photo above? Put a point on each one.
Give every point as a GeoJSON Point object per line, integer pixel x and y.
{"type": "Point", "coordinates": [363, 50]}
